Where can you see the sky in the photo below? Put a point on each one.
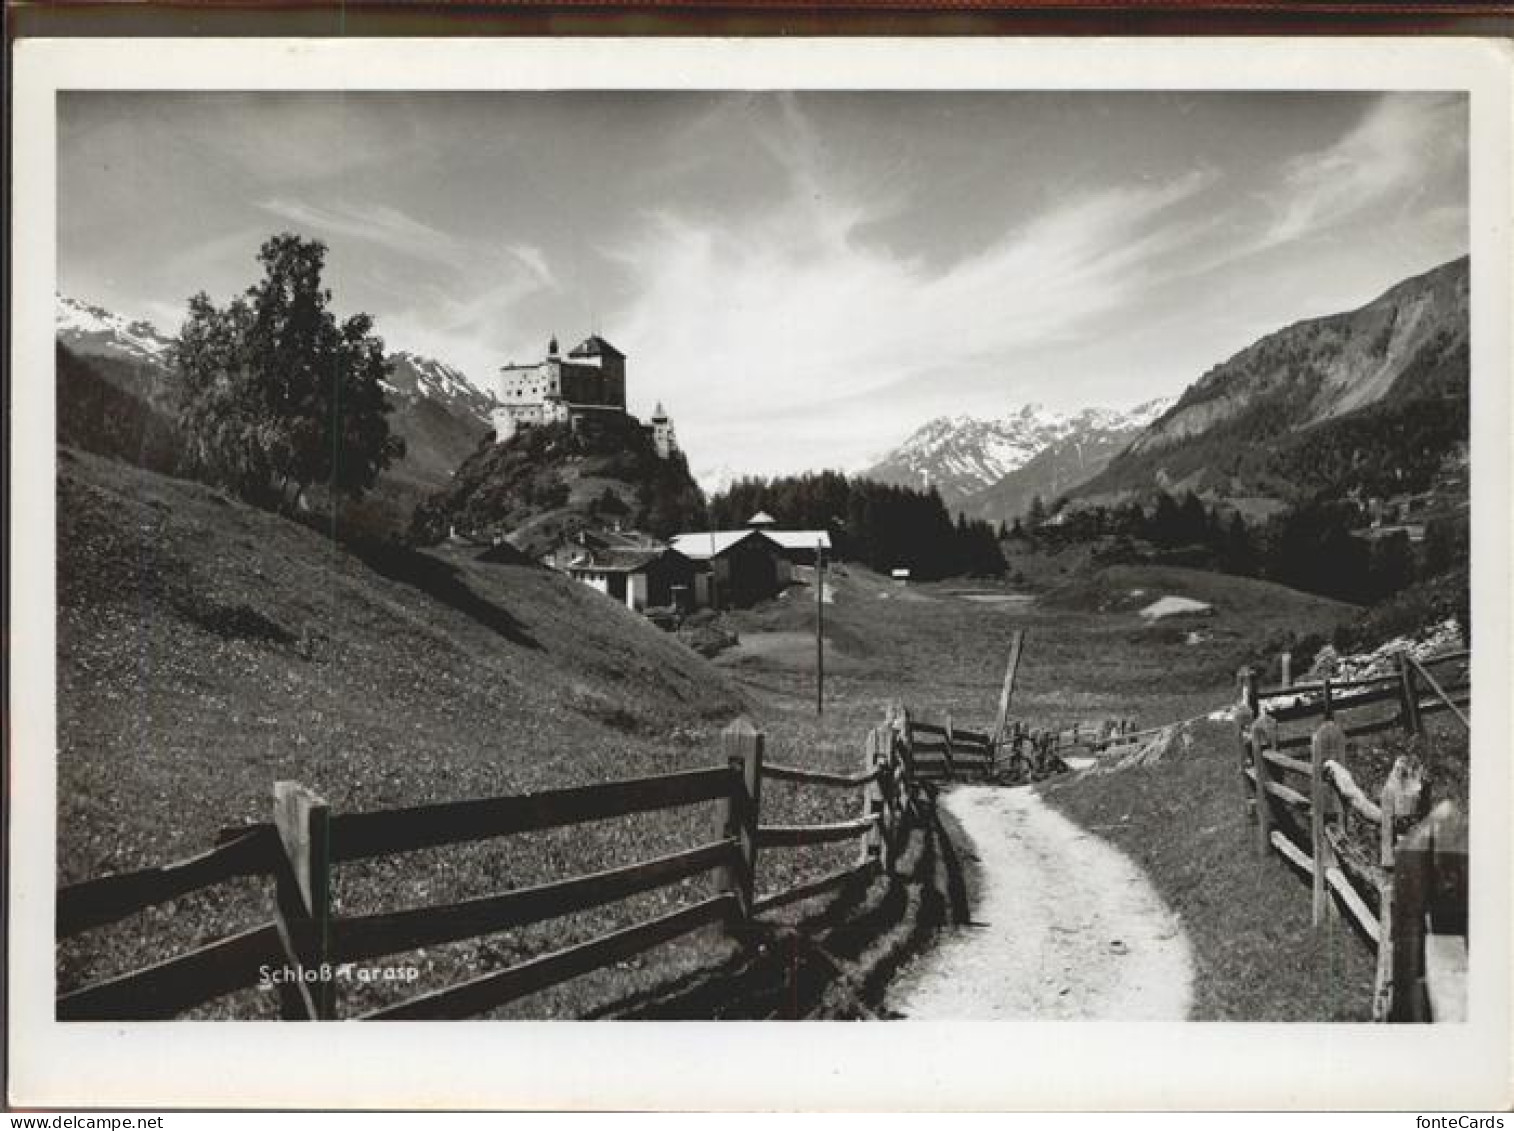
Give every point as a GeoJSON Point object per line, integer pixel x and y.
{"type": "Point", "coordinates": [803, 279]}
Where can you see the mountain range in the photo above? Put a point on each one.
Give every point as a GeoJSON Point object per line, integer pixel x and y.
{"type": "Point", "coordinates": [993, 468]}
{"type": "Point", "coordinates": [1370, 401]}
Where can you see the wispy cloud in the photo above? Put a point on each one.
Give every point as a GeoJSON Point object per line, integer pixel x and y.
{"type": "Point", "coordinates": [787, 307]}
{"type": "Point", "coordinates": [372, 223]}
{"type": "Point", "coordinates": [1404, 142]}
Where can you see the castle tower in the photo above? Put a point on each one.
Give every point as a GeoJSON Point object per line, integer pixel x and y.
{"type": "Point", "coordinates": [663, 437]}
{"type": "Point", "coordinates": [610, 387]}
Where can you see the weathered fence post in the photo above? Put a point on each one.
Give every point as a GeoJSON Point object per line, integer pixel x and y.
{"type": "Point", "coordinates": [1398, 801]}
{"type": "Point", "coordinates": [303, 894]}
{"type": "Point", "coordinates": [1409, 693]}
{"type": "Point", "coordinates": [741, 743]}
{"type": "Point", "coordinates": [877, 844]}
{"type": "Point", "coordinates": [1411, 878]}
{"type": "Point", "coordinates": [1327, 745]}
{"type": "Point", "coordinates": [1263, 738]}
{"type": "Point", "coordinates": [1286, 663]}
{"type": "Point", "coordinates": [1007, 689]}
{"type": "Point", "coordinates": [951, 767]}
{"type": "Point", "coordinates": [1243, 721]}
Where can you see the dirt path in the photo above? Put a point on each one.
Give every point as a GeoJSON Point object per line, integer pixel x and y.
{"type": "Point", "coordinates": [1064, 927]}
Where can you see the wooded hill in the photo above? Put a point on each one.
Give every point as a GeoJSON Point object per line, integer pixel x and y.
{"type": "Point", "coordinates": [1373, 401]}
{"type": "Point", "coordinates": [548, 482]}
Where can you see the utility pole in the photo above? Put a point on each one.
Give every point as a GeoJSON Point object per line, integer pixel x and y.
{"type": "Point", "coordinates": [819, 627]}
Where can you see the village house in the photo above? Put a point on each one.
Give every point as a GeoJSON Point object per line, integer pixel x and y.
{"type": "Point", "coordinates": [642, 578]}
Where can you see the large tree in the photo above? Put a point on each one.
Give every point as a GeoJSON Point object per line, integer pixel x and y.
{"type": "Point", "coordinates": [275, 395]}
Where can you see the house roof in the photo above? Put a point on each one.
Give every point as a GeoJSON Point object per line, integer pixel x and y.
{"type": "Point", "coordinates": [616, 560]}
{"type": "Point", "coordinates": [701, 546]}
{"type": "Point", "coordinates": [594, 346]}
{"type": "Point", "coordinates": [761, 518]}
{"type": "Point", "coordinates": [800, 539]}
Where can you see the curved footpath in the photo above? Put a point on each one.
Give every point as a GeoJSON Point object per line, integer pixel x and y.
{"type": "Point", "coordinates": [1064, 927]}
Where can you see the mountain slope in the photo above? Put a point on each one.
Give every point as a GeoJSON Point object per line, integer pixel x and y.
{"type": "Point", "coordinates": [93, 331]}
{"type": "Point", "coordinates": [1328, 404]}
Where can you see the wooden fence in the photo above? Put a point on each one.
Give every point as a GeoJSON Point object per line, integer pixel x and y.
{"type": "Point", "coordinates": [1414, 689]}
{"type": "Point", "coordinates": [302, 845]}
{"type": "Point", "coordinates": [1404, 885]}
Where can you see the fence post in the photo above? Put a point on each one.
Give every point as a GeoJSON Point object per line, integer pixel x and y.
{"type": "Point", "coordinates": [1409, 693]}
{"type": "Point", "coordinates": [1397, 802]}
{"type": "Point", "coordinates": [1411, 875]}
{"type": "Point", "coordinates": [951, 768]}
{"type": "Point", "coordinates": [741, 744]}
{"type": "Point", "coordinates": [1327, 745]}
{"type": "Point", "coordinates": [877, 844]}
{"type": "Point", "coordinates": [303, 894]}
{"type": "Point", "coordinates": [1007, 689]}
{"type": "Point", "coordinates": [1243, 721]}
{"type": "Point", "coordinates": [1248, 690]}
{"type": "Point", "coordinates": [1286, 662]}
{"type": "Point", "coordinates": [1263, 736]}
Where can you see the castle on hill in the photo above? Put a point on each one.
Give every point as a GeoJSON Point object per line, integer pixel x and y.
{"type": "Point", "coordinates": [590, 380]}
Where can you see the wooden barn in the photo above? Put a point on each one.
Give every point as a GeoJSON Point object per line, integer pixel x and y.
{"type": "Point", "coordinates": [739, 567]}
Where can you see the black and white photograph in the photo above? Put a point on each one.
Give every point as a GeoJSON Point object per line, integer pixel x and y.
{"type": "Point", "coordinates": [777, 553]}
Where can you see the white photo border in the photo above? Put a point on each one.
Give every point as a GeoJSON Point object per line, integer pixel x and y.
{"type": "Point", "coordinates": [726, 1065]}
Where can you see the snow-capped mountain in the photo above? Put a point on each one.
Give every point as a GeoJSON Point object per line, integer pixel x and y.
{"type": "Point", "coordinates": [963, 455]}
{"type": "Point", "coordinates": [1081, 452]}
{"type": "Point", "coordinates": [96, 332]}
{"type": "Point", "coordinates": [415, 378]}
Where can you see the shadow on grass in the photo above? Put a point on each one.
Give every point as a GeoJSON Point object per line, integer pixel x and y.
{"type": "Point", "coordinates": [442, 582]}
{"type": "Point", "coordinates": [834, 964]}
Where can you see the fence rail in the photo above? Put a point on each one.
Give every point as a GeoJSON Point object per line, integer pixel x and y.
{"type": "Point", "coordinates": [299, 849]}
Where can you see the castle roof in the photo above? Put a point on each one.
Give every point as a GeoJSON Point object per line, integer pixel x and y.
{"type": "Point", "coordinates": [595, 346]}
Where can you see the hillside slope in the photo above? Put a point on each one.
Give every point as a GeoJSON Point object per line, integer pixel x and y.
{"type": "Point", "coordinates": [1373, 399]}
{"type": "Point", "coordinates": [207, 649]}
